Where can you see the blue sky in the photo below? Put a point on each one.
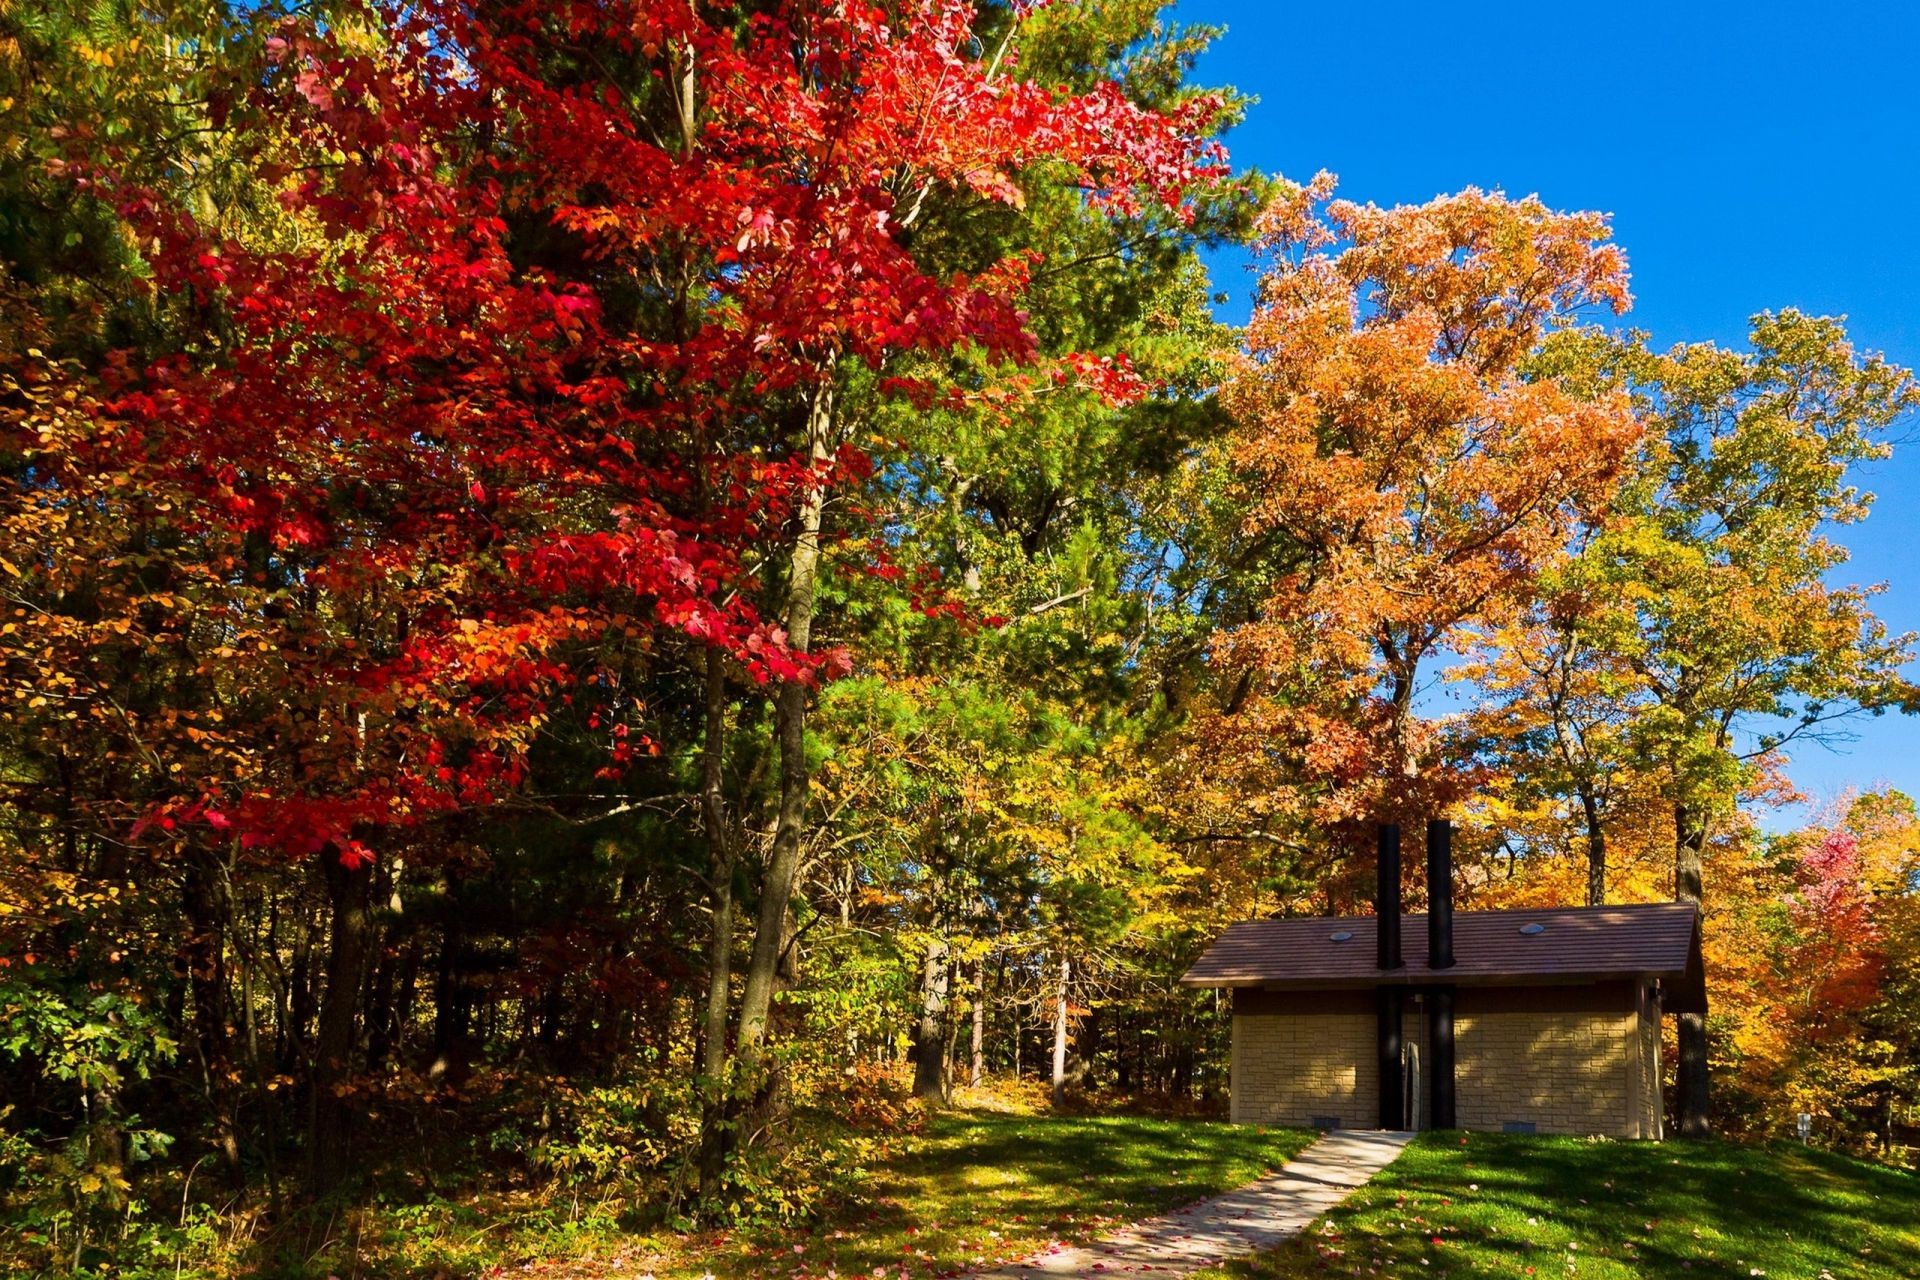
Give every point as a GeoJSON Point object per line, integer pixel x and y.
{"type": "Point", "coordinates": [1754, 156]}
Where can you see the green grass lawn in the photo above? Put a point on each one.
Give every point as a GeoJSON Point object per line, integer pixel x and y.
{"type": "Point", "coordinates": [974, 1187]}
{"type": "Point", "coordinates": [1548, 1207]}
{"type": "Point", "coordinates": [981, 1187]}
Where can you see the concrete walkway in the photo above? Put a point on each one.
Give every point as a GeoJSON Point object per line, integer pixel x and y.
{"type": "Point", "coordinates": [1257, 1216]}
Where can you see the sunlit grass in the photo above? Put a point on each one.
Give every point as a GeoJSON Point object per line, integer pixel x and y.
{"type": "Point", "coordinates": [981, 1187]}
{"type": "Point", "coordinates": [1493, 1205]}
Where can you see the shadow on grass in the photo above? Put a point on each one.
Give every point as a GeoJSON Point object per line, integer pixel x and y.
{"type": "Point", "coordinates": [983, 1187]}
{"type": "Point", "coordinates": [1518, 1206]}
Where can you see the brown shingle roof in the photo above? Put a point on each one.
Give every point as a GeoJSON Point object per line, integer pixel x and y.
{"type": "Point", "coordinates": [1649, 940]}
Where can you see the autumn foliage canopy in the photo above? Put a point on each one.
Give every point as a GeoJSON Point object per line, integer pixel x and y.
{"type": "Point", "coordinates": [594, 588]}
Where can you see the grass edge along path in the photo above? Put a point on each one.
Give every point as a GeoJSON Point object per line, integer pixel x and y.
{"type": "Point", "coordinates": [983, 1187]}
{"type": "Point", "coordinates": [1499, 1205]}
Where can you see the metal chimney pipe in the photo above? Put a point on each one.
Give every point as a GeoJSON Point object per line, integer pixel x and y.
{"type": "Point", "coordinates": [1441, 1056]}
{"type": "Point", "coordinates": [1439, 894]}
{"type": "Point", "coordinates": [1386, 898]}
{"type": "Point", "coordinates": [1389, 1003]}
{"type": "Point", "coordinates": [1440, 956]}
{"type": "Point", "coordinates": [1386, 911]}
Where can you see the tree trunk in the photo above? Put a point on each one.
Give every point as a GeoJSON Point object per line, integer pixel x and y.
{"type": "Point", "coordinates": [332, 1116]}
{"type": "Point", "coordinates": [1406, 672]}
{"type": "Point", "coordinates": [976, 1056]}
{"type": "Point", "coordinates": [951, 1053]}
{"type": "Point", "coordinates": [263, 1096]}
{"type": "Point", "coordinates": [299, 997]}
{"type": "Point", "coordinates": [1690, 1077]}
{"type": "Point", "coordinates": [203, 957]}
{"type": "Point", "coordinates": [408, 992]}
{"type": "Point", "coordinates": [790, 715]}
{"type": "Point", "coordinates": [1060, 1036]}
{"type": "Point", "coordinates": [1086, 1048]}
{"type": "Point", "coordinates": [1596, 849]}
{"type": "Point", "coordinates": [715, 1115]}
{"type": "Point", "coordinates": [1018, 1030]}
{"type": "Point", "coordinates": [930, 1034]}
{"type": "Point", "coordinates": [452, 997]}
{"type": "Point", "coordinates": [381, 1032]}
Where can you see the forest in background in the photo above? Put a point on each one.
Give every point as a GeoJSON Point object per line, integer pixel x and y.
{"type": "Point", "coordinates": [594, 593]}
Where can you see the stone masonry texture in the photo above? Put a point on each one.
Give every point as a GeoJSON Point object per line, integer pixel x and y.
{"type": "Point", "coordinates": [1577, 1060]}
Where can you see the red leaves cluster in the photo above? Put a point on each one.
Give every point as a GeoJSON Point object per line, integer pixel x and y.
{"type": "Point", "coordinates": [1836, 962]}
{"type": "Point", "coordinates": [516, 375]}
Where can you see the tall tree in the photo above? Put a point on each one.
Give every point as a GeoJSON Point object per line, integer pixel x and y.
{"type": "Point", "coordinates": [1558, 724]}
{"type": "Point", "coordinates": [550, 365]}
{"type": "Point", "coordinates": [1389, 431]}
{"type": "Point", "coordinates": [1715, 575]}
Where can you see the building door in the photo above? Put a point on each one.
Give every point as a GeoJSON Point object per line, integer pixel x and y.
{"type": "Point", "coordinates": [1416, 1069]}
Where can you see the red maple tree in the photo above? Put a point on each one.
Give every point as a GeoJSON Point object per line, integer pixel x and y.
{"type": "Point", "coordinates": [531, 360]}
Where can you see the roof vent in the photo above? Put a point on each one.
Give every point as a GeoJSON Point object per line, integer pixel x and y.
{"type": "Point", "coordinates": [1531, 929]}
{"type": "Point", "coordinates": [1343, 935]}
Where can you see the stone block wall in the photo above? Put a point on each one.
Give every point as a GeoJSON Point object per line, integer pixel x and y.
{"type": "Point", "coordinates": [1560, 1072]}
{"type": "Point", "coordinates": [1299, 1059]}
{"type": "Point", "coordinates": [1566, 1059]}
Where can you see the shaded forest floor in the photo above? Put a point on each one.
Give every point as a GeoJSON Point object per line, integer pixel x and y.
{"type": "Point", "coordinates": [1494, 1205]}
{"type": "Point", "coordinates": [974, 1186]}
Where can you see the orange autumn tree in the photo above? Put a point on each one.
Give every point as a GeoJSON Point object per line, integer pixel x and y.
{"type": "Point", "coordinates": [1388, 428]}
{"type": "Point", "coordinates": [1556, 722]}
{"type": "Point", "coordinates": [1806, 954]}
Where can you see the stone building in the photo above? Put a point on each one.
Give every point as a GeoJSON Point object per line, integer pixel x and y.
{"type": "Point", "coordinates": [1530, 1021]}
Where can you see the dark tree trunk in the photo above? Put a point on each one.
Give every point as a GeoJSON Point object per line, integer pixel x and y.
{"type": "Point", "coordinates": [950, 1051]}
{"type": "Point", "coordinates": [790, 721]}
{"type": "Point", "coordinates": [1060, 1035]}
{"type": "Point", "coordinates": [930, 1032]}
{"type": "Point", "coordinates": [1400, 731]}
{"type": "Point", "coordinates": [1596, 849]}
{"type": "Point", "coordinates": [716, 1105]}
{"type": "Point", "coordinates": [452, 996]}
{"type": "Point", "coordinates": [384, 965]}
{"type": "Point", "coordinates": [1015, 1032]}
{"type": "Point", "coordinates": [263, 1095]}
{"type": "Point", "coordinates": [380, 1006]}
{"type": "Point", "coordinates": [203, 957]}
{"type": "Point", "coordinates": [392, 997]}
{"type": "Point", "coordinates": [1690, 1078]}
{"type": "Point", "coordinates": [976, 1056]}
{"type": "Point", "coordinates": [331, 1125]}
{"type": "Point", "coordinates": [407, 992]}
{"type": "Point", "coordinates": [299, 1000]}
{"type": "Point", "coordinates": [776, 883]}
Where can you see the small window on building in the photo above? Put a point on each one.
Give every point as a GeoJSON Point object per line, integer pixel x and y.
{"type": "Point", "coordinates": [1534, 929]}
{"type": "Point", "coordinates": [1326, 1122]}
{"type": "Point", "coordinates": [1519, 1126]}
{"type": "Point", "coordinates": [1344, 935]}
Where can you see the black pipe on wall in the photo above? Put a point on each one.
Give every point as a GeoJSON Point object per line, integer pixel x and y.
{"type": "Point", "coordinates": [1386, 898]}
{"type": "Point", "coordinates": [1393, 1094]}
{"type": "Point", "coordinates": [1386, 910]}
{"type": "Point", "coordinates": [1439, 894]}
{"type": "Point", "coordinates": [1440, 956]}
{"type": "Point", "coordinates": [1440, 1054]}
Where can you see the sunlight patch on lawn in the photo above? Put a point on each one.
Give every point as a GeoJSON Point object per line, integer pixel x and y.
{"type": "Point", "coordinates": [1497, 1205]}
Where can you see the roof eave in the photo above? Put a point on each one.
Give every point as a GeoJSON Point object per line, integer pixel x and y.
{"type": "Point", "coordinates": [1434, 977]}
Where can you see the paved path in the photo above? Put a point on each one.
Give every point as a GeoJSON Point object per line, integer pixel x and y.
{"type": "Point", "coordinates": [1257, 1216]}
